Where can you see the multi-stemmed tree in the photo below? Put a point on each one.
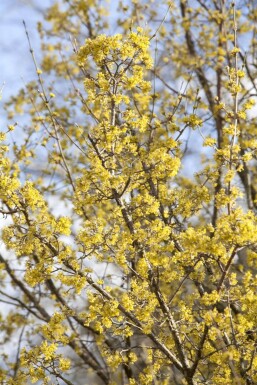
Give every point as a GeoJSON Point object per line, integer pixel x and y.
{"type": "Point", "coordinates": [128, 198]}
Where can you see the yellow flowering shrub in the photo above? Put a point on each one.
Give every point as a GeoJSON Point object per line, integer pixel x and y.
{"type": "Point", "coordinates": [128, 199]}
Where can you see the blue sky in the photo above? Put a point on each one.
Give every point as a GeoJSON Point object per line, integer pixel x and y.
{"type": "Point", "coordinates": [15, 61]}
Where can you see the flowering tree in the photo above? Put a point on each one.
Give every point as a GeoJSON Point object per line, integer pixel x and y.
{"type": "Point", "coordinates": [145, 272]}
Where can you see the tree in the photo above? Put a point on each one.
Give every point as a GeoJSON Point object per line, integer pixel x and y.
{"type": "Point", "coordinates": [150, 276]}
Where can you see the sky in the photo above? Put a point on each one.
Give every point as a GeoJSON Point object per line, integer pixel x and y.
{"type": "Point", "coordinates": [16, 66]}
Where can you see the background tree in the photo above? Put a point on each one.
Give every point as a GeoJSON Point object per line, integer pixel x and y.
{"type": "Point", "coordinates": [150, 276]}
